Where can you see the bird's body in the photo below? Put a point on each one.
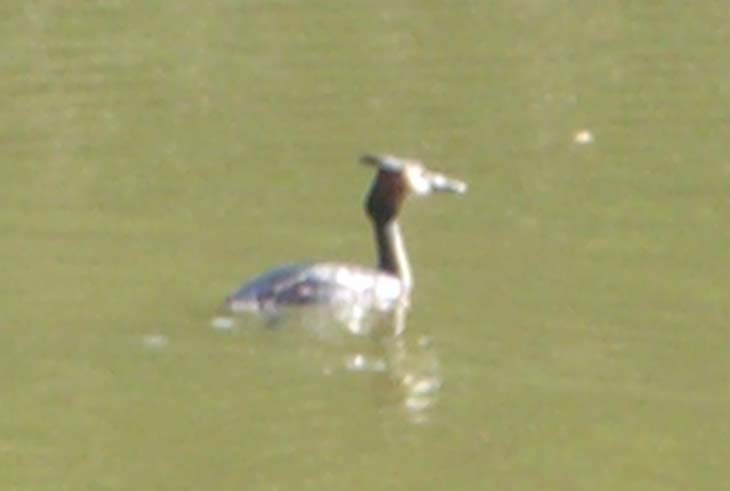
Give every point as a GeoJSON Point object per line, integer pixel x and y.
{"type": "Point", "coordinates": [319, 283]}
{"type": "Point", "coordinates": [350, 288]}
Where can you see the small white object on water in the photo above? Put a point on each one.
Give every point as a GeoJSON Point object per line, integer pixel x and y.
{"type": "Point", "coordinates": [583, 137]}
{"type": "Point", "coordinates": [155, 341]}
{"type": "Point", "coordinates": [361, 363]}
{"type": "Point", "coordinates": [222, 323]}
{"type": "Point", "coordinates": [417, 403]}
{"type": "Point", "coordinates": [425, 386]}
{"type": "Point", "coordinates": [356, 363]}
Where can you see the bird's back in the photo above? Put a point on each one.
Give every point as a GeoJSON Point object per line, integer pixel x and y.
{"type": "Point", "coordinates": [323, 284]}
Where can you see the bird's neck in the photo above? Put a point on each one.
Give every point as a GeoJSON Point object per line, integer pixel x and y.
{"type": "Point", "coordinates": [392, 255]}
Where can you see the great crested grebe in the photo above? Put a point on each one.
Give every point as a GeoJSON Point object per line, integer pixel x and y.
{"type": "Point", "coordinates": [356, 288]}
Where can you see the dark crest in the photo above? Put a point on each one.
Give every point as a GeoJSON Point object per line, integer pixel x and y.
{"type": "Point", "coordinates": [386, 196]}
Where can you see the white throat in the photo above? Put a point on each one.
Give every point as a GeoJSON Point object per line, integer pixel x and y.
{"type": "Point", "coordinates": [398, 249]}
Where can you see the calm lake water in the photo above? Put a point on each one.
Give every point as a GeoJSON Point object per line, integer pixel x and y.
{"type": "Point", "coordinates": [571, 310]}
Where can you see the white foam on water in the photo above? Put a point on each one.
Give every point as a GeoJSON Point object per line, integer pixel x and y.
{"type": "Point", "coordinates": [222, 323]}
{"type": "Point", "coordinates": [155, 341]}
{"type": "Point", "coordinates": [583, 137]}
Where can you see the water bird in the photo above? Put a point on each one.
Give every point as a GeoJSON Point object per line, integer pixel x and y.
{"type": "Point", "coordinates": [352, 291]}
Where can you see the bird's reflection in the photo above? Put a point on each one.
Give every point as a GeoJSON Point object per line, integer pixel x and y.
{"type": "Point", "coordinates": [411, 378]}
{"type": "Point", "coordinates": [405, 369]}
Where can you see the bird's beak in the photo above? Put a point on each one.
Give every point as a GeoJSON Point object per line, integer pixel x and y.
{"type": "Point", "coordinates": [443, 184]}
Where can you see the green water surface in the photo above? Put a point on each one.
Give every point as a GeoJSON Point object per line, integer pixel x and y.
{"type": "Point", "coordinates": [155, 154]}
